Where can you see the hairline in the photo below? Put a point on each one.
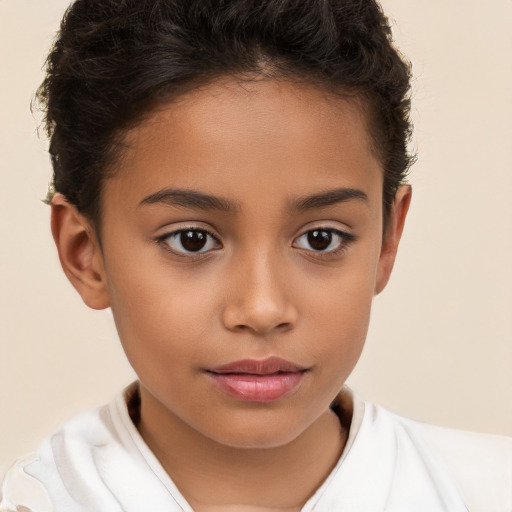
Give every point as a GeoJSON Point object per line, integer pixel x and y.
{"type": "Point", "coordinates": [119, 146]}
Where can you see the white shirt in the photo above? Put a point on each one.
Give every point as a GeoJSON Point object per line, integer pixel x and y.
{"type": "Point", "coordinates": [98, 462]}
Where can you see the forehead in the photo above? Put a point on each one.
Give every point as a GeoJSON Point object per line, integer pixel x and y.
{"type": "Point", "coordinates": [240, 138]}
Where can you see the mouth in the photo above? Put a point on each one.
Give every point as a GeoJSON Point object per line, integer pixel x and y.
{"type": "Point", "coordinates": [252, 380]}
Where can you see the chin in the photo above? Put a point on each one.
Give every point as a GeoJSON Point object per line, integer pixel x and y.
{"type": "Point", "coordinates": [256, 433]}
{"type": "Point", "coordinates": [253, 441]}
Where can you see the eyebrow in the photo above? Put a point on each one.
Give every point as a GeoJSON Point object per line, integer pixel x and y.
{"type": "Point", "coordinates": [189, 199]}
{"type": "Point", "coordinates": [328, 198]}
{"type": "Point", "coordinates": [199, 200]}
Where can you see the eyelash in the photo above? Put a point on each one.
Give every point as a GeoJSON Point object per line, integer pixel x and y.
{"type": "Point", "coordinates": [163, 241]}
{"type": "Point", "coordinates": [345, 239]}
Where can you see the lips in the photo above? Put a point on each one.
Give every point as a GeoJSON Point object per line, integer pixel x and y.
{"type": "Point", "coordinates": [252, 380]}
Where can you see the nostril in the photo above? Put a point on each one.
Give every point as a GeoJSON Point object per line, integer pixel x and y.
{"type": "Point", "coordinates": [259, 313]}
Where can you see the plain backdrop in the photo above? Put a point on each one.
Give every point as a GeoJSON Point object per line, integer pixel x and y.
{"type": "Point", "coordinates": [440, 343]}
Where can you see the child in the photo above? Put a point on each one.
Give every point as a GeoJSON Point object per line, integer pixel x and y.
{"type": "Point", "coordinates": [229, 179]}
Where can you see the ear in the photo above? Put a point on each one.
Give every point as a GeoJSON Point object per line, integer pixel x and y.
{"type": "Point", "coordinates": [79, 252]}
{"type": "Point", "coordinates": [392, 236]}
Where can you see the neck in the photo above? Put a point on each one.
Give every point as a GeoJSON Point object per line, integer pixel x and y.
{"type": "Point", "coordinates": [213, 476]}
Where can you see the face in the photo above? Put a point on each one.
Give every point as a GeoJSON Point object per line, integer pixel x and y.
{"type": "Point", "coordinates": [241, 250]}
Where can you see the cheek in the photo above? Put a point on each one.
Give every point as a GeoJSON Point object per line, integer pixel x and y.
{"type": "Point", "coordinates": [161, 317]}
{"type": "Point", "coordinates": [340, 346]}
{"type": "Point", "coordinates": [339, 312]}
{"type": "Point", "coordinates": [342, 325]}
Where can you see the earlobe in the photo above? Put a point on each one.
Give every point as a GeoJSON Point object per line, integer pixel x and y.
{"type": "Point", "coordinates": [79, 252]}
{"type": "Point", "coordinates": [392, 236]}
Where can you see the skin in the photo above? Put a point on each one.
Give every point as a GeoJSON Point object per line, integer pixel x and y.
{"type": "Point", "coordinates": [259, 290]}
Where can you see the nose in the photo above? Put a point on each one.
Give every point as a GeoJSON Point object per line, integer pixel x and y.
{"type": "Point", "coordinates": [258, 297]}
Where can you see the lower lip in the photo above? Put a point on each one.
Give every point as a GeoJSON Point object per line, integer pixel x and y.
{"type": "Point", "coordinates": [257, 388]}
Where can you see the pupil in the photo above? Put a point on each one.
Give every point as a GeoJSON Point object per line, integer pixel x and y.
{"type": "Point", "coordinates": [319, 240]}
{"type": "Point", "coordinates": [193, 240]}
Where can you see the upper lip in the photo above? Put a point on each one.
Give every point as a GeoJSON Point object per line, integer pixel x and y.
{"type": "Point", "coordinates": [259, 367]}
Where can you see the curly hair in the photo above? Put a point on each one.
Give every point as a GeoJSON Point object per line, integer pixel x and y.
{"type": "Point", "coordinates": [114, 60]}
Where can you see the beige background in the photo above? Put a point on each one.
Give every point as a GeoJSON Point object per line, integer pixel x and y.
{"type": "Point", "coordinates": [440, 345]}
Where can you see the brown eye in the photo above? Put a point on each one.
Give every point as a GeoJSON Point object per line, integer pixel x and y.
{"type": "Point", "coordinates": [319, 240]}
{"type": "Point", "coordinates": [189, 241]}
{"type": "Point", "coordinates": [193, 240]}
{"type": "Point", "coordinates": [324, 240]}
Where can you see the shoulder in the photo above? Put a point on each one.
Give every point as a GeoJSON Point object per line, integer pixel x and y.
{"type": "Point", "coordinates": [96, 461]}
{"type": "Point", "coordinates": [22, 492]}
{"type": "Point", "coordinates": [480, 465]}
{"type": "Point", "coordinates": [57, 471]}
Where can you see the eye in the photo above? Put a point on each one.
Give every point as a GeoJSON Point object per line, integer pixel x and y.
{"type": "Point", "coordinates": [190, 241]}
{"type": "Point", "coordinates": [323, 240]}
